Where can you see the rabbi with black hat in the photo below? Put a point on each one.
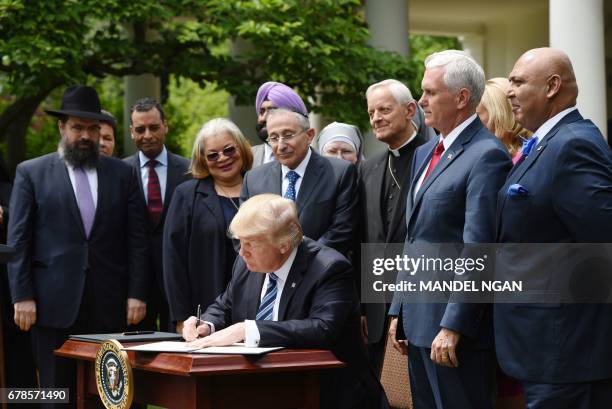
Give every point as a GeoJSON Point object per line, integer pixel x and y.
{"type": "Point", "coordinates": [79, 229]}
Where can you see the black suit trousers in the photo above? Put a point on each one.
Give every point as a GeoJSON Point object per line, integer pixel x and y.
{"type": "Point", "coordinates": [58, 372]}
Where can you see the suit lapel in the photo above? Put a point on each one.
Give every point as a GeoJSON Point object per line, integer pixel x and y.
{"type": "Point", "coordinates": [136, 163]}
{"type": "Point", "coordinates": [271, 179]}
{"type": "Point", "coordinates": [60, 171]}
{"type": "Point", "coordinates": [312, 177]}
{"type": "Point", "coordinates": [517, 173]}
{"type": "Point", "coordinates": [173, 179]}
{"type": "Point", "coordinates": [253, 293]}
{"type": "Point", "coordinates": [296, 274]}
{"type": "Point", "coordinates": [449, 156]}
{"type": "Point", "coordinates": [375, 181]}
{"type": "Point", "coordinates": [170, 182]}
{"type": "Point", "coordinates": [206, 188]}
{"type": "Point", "coordinates": [420, 164]}
{"type": "Point", "coordinates": [399, 212]}
{"type": "Point", "coordinates": [104, 191]}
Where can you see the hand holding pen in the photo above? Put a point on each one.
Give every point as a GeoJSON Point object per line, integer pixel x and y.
{"type": "Point", "coordinates": [194, 327]}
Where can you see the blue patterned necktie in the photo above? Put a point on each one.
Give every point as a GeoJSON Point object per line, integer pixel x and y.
{"type": "Point", "coordinates": [267, 304]}
{"type": "Point", "coordinates": [528, 146]}
{"type": "Point", "coordinates": [293, 177]}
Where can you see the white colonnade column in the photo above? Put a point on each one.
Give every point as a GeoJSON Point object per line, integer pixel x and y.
{"type": "Point", "coordinates": [388, 24]}
{"type": "Point", "coordinates": [578, 30]}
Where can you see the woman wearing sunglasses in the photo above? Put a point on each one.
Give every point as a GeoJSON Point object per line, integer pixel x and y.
{"type": "Point", "coordinates": [198, 255]}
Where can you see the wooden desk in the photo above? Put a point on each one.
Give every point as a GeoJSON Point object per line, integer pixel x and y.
{"type": "Point", "coordinates": [284, 379]}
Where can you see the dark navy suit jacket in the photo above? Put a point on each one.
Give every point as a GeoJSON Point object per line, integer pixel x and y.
{"type": "Point", "coordinates": [327, 200]}
{"type": "Point", "coordinates": [455, 204]}
{"type": "Point", "coordinates": [54, 257]}
{"type": "Point", "coordinates": [177, 174]}
{"type": "Point", "coordinates": [569, 179]}
{"type": "Point", "coordinates": [318, 309]}
{"type": "Point", "coordinates": [195, 249]}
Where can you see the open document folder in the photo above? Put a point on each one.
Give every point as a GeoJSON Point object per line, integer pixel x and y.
{"type": "Point", "coordinates": [173, 346]}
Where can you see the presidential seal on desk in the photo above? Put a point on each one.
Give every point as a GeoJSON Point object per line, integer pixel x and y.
{"type": "Point", "coordinates": [114, 376]}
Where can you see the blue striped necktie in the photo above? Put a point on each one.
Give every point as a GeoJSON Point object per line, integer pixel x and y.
{"type": "Point", "coordinates": [267, 303]}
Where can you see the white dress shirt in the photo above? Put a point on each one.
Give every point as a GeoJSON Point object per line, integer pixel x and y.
{"type": "Point", "coordinates": [161, 169]}
{"type": "Point", "coordinates": [447, 141]}
{"type": "Point", "coordinates": [550, 124]}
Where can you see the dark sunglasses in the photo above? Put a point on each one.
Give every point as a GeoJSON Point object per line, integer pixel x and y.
{"type": "Point", "coordinates": [228, 151]}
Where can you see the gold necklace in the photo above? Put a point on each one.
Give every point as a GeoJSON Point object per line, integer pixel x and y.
{"type": "Point", "coordinates": [227, 195]}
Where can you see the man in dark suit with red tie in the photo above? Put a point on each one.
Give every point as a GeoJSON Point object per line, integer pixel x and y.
{"type": "Point", "coordinates": [78, 226]}
{"type": "Point", "coordinates": [452, 199]}
{"type": "Point", "coordinates": [160, 172]}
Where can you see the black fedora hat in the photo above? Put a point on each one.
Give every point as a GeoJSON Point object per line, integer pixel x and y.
{"type": "Point", "coordinates": [81, 101]}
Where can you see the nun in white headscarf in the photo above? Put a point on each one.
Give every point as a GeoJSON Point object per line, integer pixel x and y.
{"type": "Point", "coordinates": [342, 141]}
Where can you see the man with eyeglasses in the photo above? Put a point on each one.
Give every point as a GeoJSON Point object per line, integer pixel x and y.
{"type": "Point", "coordinates": [160, 171]}
{"type": "Point", "coordinates": [324, 189]}
{"type": "Point", "coordinates": [78, 226]}
{"type": "Point", "coordinates": [272, 95]}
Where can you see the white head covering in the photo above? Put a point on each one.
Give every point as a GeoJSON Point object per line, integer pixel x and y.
{"type": "Point", "coordinates": [338, 131]}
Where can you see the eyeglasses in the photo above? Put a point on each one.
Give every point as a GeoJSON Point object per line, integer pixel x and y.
{"type": "Point", "coordinates": [275, 139]}
{"type": "Point", "coordinates": [152, 128]}
{"type": "Point", "coordinates": [228, 151]}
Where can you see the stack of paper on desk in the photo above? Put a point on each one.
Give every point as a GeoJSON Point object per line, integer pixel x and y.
{"type": "Point", "coordinates": [172, 346]}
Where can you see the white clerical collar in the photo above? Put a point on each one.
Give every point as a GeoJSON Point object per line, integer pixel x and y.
{"type": "Point", "coordinates": [301, 168]}
{"type": "Point", "coordinates": [454, 134]}
{"type": "Point", "coordinates": [550, 124]}
{"type": "Point", "coordinates": [396, 152]}
{"type": "Point", "coordinates": [162, 158]}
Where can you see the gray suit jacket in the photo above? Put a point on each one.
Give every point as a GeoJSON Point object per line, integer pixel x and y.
{"type": "Point", "coordinates": [455, 204]}
{"type": "Point", "coordinates": [327, 200]}
{"type": "Point", "coordinates": [258, 155]}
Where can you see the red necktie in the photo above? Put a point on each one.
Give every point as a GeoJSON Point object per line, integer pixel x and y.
{"type": "Point", "coordinates": [154, 200]}
{"type": "Point", "coordinates": [435, 158]}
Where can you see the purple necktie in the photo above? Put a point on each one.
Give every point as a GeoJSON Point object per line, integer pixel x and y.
{"type": "Point", "coordinates": [84, 199]}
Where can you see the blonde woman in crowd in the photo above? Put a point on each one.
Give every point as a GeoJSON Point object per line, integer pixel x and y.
{"type": "Point", "coordinates": [496, 114]}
